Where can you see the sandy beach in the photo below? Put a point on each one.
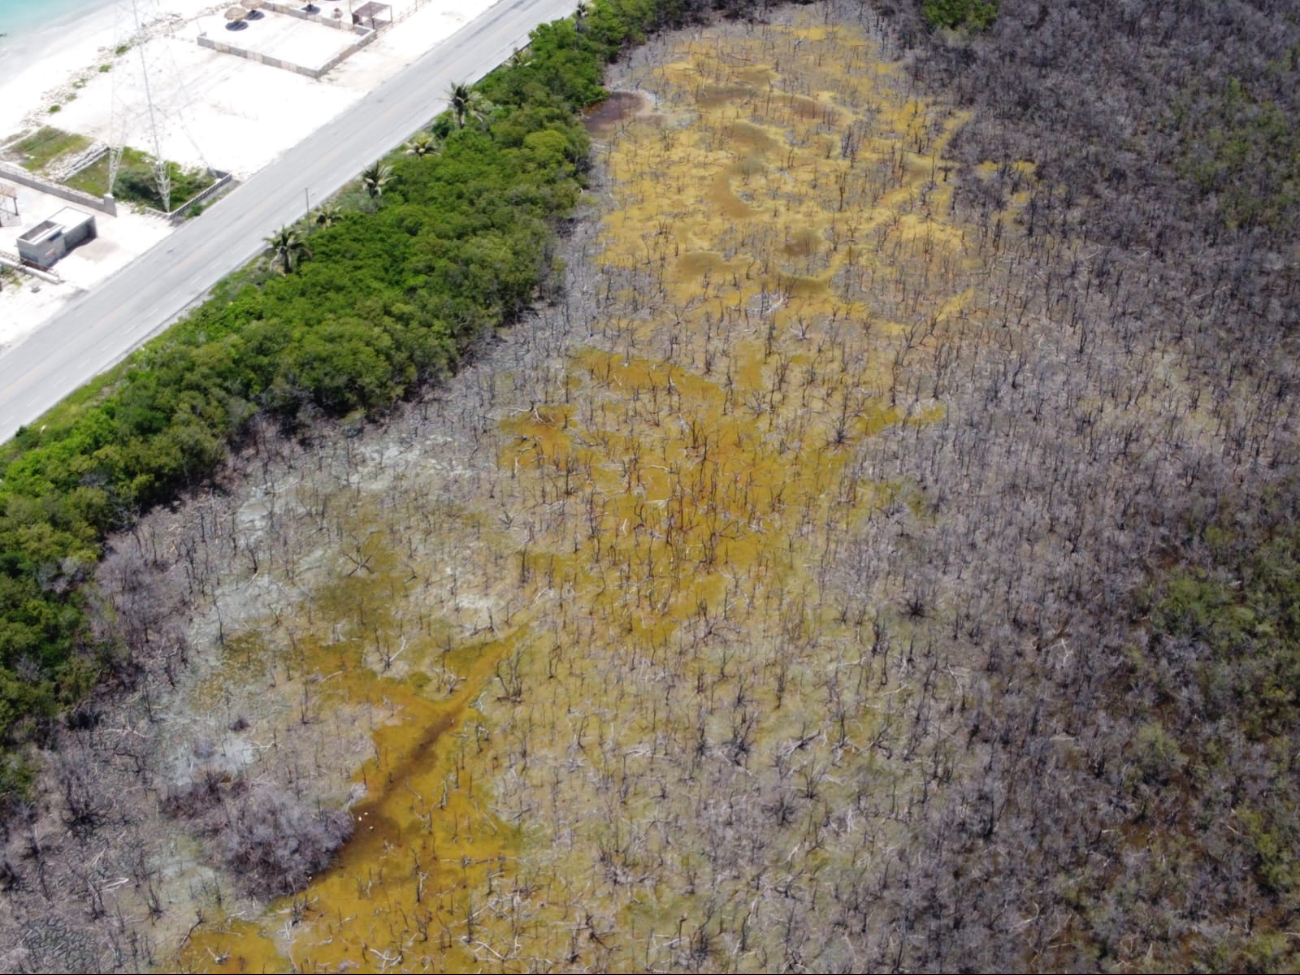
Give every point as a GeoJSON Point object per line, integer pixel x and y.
{"type": "Point", "coordinates": [80, 32]}
{"type": "Point", "coordinates": [89, 74]}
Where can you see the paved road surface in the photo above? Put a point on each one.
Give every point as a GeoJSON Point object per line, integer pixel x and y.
{"type": "Point", "coordinates": [99, 329]}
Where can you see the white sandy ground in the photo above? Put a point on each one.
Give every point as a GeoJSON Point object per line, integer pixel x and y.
{"type": "Point", "coordinates": [305, 43]}
{"type": "Point", "coordinates": [212, 109]}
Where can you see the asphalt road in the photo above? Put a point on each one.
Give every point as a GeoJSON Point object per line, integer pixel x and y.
{"type": "Point", "coordinates": [99, 329]}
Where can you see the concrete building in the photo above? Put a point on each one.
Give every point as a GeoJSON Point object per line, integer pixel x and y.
{"type": "Point", "coordinates": [50, 240]}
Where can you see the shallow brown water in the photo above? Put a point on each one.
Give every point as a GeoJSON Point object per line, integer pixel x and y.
{"type": "Point", "coordinates": [604, 119]}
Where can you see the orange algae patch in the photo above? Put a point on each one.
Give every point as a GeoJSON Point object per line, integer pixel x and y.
{"type": "Point", "coordinates": [420, 838]}
{"type": "Point", "coordinates": [421, 832]}
{"type": "Point", "coordinates": [733, 382]}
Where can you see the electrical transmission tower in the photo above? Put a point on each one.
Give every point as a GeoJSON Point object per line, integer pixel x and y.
{"type": "Point", "coordinates": [148, 92]}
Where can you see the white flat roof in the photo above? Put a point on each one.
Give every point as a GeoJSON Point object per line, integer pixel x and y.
{"type": "Point", "coordinates": [71, 217]}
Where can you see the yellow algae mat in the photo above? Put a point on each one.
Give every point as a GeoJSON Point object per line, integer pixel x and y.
{"type": "Point", "coordinates": [670, 740]}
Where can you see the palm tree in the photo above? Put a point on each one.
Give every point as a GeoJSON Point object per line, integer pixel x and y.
{"type": "Point", "coordinates": [327, 215]}
{"type": "Point", "coordinates": [460, 98]}
{"type": "Point", "coordinates": [375, 178]}
{"type": "Point", "coordinates": [580, 11]}
{"type": "Point", "coordinates": [480, 109]}
{"type": "Point", "coordinates": [422, 145]}
{"type": "Point", "coordinates": [519, 58]}
{"type": "Point", "coordinates": [287, 245]}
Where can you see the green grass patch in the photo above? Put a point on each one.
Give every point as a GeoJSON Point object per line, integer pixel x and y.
{"type": "Point", "coordinates": [47, 145]}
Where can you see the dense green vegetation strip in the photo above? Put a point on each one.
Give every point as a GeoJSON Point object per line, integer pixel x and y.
{"type": "Point", "coordinates": [954, 14]}
{"type": "Point", "coordinates": [1210, 778]}
{"type": "Point", "coordinates": [1241, 148]}
{"type": "Point", "coordinates": [453, 243]}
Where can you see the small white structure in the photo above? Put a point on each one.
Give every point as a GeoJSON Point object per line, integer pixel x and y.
{"type": "Point", "coordinates": [51, 239]}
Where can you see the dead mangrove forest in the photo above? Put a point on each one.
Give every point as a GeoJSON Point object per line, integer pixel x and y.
{"type": "Point", "coordinates": [866, 555]}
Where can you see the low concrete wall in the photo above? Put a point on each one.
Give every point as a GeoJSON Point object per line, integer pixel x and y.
{"type": "Point", "coordinates": [334, 62]}
{"type": "Point", "coordinates": [79, 163]}
{"type": "Point", "coordinates": [223, 182]}
{"type": "Point", "coordinates": [17, 174]}
{"type": "Point", "coordinates": [342, 23]}
{"type": "Point", "coordinates": [179, 214]}
{"type": "Point", "coordinates": [351, 49]}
